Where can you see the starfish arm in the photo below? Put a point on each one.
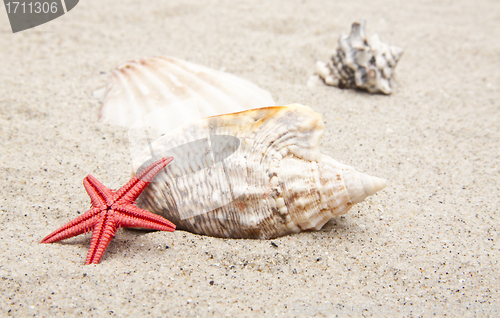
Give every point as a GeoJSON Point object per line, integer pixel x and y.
{"type": "Point", "coordinates": [132, 216]}
{"type": "Point", "coordinates": [132, 189]}
{"type": "Point", "coordinates": [81, 224]}
{"type": "Point", "coordinates": [102, 234]}
{"type": "Point", "coordinates": [99, 194]}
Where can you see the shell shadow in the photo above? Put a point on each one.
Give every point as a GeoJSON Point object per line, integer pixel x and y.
{"type": "Point", "coordinates": [341, 226]}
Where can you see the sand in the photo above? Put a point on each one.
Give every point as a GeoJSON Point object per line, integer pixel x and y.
{"type": "Point", "coordinates": [426, 245]}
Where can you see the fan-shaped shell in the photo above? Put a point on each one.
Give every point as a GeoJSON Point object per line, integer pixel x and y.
{"type": "Point", "coordinates": [360, 62]}
{"type": "Point", "coordinates": [253, 174]}
{"type": "Point", "coordinates": [141, 86]}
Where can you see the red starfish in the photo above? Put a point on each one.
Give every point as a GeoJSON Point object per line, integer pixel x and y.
{"type": "Point", "coordinates": [111, 210]}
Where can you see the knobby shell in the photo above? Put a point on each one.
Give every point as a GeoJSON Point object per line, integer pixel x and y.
{"type": "Point", "coordinates": [361, 62]}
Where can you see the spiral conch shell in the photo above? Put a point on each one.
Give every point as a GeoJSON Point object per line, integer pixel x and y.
{"type": "Point", "coordinates": [253, 174]}
{"type": "Point", "coordinates": [144, 85]}
{"type": "Point", "coordinates": [360, 62]}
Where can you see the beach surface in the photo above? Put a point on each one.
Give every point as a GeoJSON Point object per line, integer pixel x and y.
{"type": "Point", "coordinates": [428, 244]}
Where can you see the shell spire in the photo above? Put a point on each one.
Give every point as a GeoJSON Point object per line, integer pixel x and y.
{"type": "Point", "coordinates": [363, 185]}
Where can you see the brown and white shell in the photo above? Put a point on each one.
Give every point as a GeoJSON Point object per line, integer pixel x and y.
{"type": "Point", "coordinates": [265, 177]}
{"type": "Point", "coordinates": [361, 62]}
{"type": "Point", "coordinates": [145, 85]}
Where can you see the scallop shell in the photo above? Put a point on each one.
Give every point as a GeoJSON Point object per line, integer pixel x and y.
{"type": "Point", "coordinates": [360, 62]}
{"type": "Point", "coordinates": [142, 86]}
{"type": "Point", "coordinates": [252, 174]}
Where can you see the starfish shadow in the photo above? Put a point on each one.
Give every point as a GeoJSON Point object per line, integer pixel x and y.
{"type": "Point", "coordinates": [77, 241]}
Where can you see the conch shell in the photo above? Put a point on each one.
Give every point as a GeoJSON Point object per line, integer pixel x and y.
{"type": "Point", "coordinates": [253, 174]}
{"type": "Point", "coordinates": [361, 63]}
{"type": "Point", "coordinates": [142, 86]}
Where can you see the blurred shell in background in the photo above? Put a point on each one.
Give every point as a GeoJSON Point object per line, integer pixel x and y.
{"type": "Point", "coordinates": [360, 62]}
{"type": "Point", "coordinates": [142, 86]}
{"type": "Point", "coordinates": [253, 174]}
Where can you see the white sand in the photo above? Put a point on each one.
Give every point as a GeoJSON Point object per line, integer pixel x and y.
{"type": "Point", "coordinates": [427, 244]}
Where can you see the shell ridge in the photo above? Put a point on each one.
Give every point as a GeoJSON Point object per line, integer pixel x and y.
{"type": "Point", "coordinates": [219, 86]}
{"type": "Point", "coordinates": [181, 72]}
{"type": "Point", "coordinates": [159, 82]}
{"type": "Point", "coordinates": [106, 114]}
{"type": "Point", "coordinates": [240, 83]}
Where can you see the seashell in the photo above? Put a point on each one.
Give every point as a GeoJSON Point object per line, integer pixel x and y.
{"type": "Point", "coordinates": [360, 62]}
{"type": "Point", "coordinates": [141, 86]}
{"type": "Point", "coordinates": [253, 174]}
